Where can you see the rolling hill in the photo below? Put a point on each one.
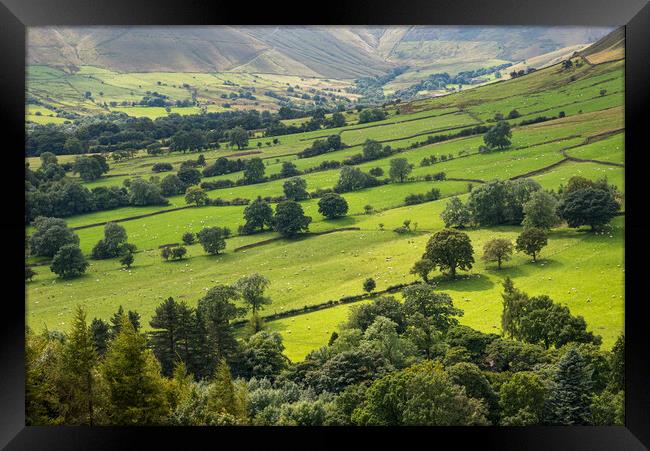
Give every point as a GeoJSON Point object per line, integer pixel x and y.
{"type": "Point", "coordinates": [342, 52]}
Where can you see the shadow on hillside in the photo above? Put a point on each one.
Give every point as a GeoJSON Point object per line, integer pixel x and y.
{"type": "Point", "coordinates": [466, 282]}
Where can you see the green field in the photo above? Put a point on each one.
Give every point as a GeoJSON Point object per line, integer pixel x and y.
{"type": "Point", "coordinates": [318, 268]}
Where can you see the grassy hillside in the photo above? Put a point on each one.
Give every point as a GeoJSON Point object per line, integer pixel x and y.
{"type": "Point", "coordinates": [316, 268]}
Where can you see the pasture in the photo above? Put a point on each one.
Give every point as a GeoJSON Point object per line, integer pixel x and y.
{"type": "Point", "coordinates": [317, 268]}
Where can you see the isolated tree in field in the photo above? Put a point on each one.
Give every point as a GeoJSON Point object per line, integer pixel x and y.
{"type": "Point", "coordinates": [540, 211]}
{"type": "Point", "coordinates": [289, 219]}
{"type": "Point", "coordinates": [570, 397]}
{"type": "Point", "coordinates": [254, 170]}
{"type": "Point", "coordinates": [497, 250]}
{"type": "Point", "coordinates": [79, 359]}
{"type": "Point", "coordinates": [369, 285]}
{"type": "Point", "coordinates": [353, 179]}
{"type": "Point", "coordinates": [135, 389]}
{"type": "Point", "coordinates": [295, 189]}
{"type": "Point", "coordinates": [455, 214]}
{"type": "Point", "coordinates": [332, 205]}
{"type": "Point", "coordinates": [258, 215]}
{"type": "Point", "coordinates": [251, 289]}
{"type": "Point", "coordinates": [213, 239]}
{"type": "Point", "coordinates": [188, 238]}
{"type": "Point", "coordinates": [238, 137]}
{"type": "Point", "coordinates": [498, 136]}
{"type": "Point", "coordinates": [29, 273]}
{"type": "Point", "coordinates": [400, 169]}
{"type": "Point", "coordinates": [201, 160]}
{"type": "Point", "coordinates": [590, 206]}
{"type": "Point", "coordinates": [197, 196]}
{"type": "Point", "coordinates": [531, 241]}
{"type": "Point", "coordinates": [521, 399]}
{"type": "Point", "coordinates": [69, 262]}
{"type": "Point", "coordinates": [127, 259]}
{"type": "Point", "coordinates": [567, 64]}
{"type": "Point", "coordinates": [50, 234]}
{"type": "Point", "coordinates": [289, 170]}
{"type": "Point", "coordinates": [177, 252]}
{"type": "Point", "coordinates": [422, 268]}
{"type": "Point", "coordinates": [448, 250]}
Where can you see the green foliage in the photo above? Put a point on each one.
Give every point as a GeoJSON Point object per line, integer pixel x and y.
{"type": "Point", "coordinates": [455, 214]}
{"type": "Point", "coordinates": [262, 356]}
{"type": "Point", "coordinates": [69, 262]}
{"type": "Point", "coordinates": [449, 250]}
{"type": "Point", "coordinates": [213, 239]}
{"type": "Point", "coordinates": [251, 288]}
{"type": "Point", "coordinates": [522, 399]}
{"type": "Point", "coordinates": [498, 250]}
{"type": "Point", "coordinates": [531, 241]}
{"type": "Point", "coordinates": [589, 206]}
{"type": "Point", "coordinates": [295, 189]}
{"type": "Point", "coordinates": [258, 215]}
{"type": "Point", "coordinates": [400, 169]}
{"type": "Point", "coordinates": [332, 205]}
{"type": "Point", "coordinates": [238, 137]}
{"type": "Point", "coordinates": [421, 395]}
{"type": "Point", "coordinates": [197, 196]}
{"type": "Point", "coordinates": [49, 236]}
{"type": "Point", "coordinates": [254, 170]}
{"type": "Point", "coordinates": [289, 219]}
{"type": "Point", "coordinates": [132, 380]}
{"type": "Point", "coordinates": [498, 136]}
{"type": "Point", "coordinates": [540, 211]}
{"type": "Point", "coordinates": [569, 400]}
{"type": "Point", "coordinates": [369, 285]}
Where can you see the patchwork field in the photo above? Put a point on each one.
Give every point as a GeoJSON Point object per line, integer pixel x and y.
{"type": "Point", "coordinates": [580, 269]}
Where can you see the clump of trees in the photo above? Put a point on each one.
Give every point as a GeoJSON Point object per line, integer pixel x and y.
{"type": "Point", "coordinates": [353, 179]}
{"type": "Point", "coordinates": [392, 363]}
{"type": "Point", "coordinates": [114, 243]}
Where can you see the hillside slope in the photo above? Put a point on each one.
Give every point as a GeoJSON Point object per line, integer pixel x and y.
{"type": "Point", "coordinates": [329, 52]}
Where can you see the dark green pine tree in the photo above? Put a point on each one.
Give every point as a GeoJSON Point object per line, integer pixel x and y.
{"type": "Point", "coordinates": [135, 390]}
{"type": "Point", "coordinates": [79, 359]}
{"type": "Point", "coordinates": [101, 334]}
{"type": "Point", "coordinates": [217, 310]}
{"type": "Point", "coordinates": [172, 335]}
{"type": "Point", "coordinates": [570, 397]}
{"type": "Point", "coordinates": [116, 321]}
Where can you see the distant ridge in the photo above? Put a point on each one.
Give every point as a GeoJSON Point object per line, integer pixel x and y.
{"type": "Point", "coordinates": [340, 52]}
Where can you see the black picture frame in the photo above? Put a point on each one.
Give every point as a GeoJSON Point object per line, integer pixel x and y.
{"type": "Point", "coordinates": [16, 15]}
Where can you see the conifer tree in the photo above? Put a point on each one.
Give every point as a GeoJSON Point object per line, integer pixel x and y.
{"type": "Point", "coordinates": [136, 393]}
{"type": "Point", "coordinates": [570, 397]}
{"type": "Point", "coordinates": [79, 360]}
